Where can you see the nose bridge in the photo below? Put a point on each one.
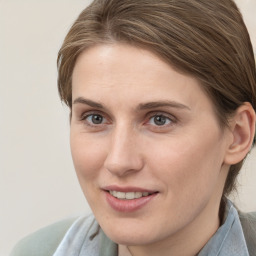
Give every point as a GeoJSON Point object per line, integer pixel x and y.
{"type": "Point", "coordinates": [123, 156]}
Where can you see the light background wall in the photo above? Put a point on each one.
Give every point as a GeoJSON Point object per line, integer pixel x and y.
{"type": "Point", "coordinates": [37, 181]}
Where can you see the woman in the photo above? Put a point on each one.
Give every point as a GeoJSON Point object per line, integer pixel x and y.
{"type": "Point", "coordinates": [162, 97]}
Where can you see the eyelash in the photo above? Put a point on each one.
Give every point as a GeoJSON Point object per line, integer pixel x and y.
{"type": "Point", "coordinates": [167, 117]}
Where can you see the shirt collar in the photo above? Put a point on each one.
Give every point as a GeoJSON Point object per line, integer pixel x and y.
{"type": "Point", "coordinates": [229, 239]}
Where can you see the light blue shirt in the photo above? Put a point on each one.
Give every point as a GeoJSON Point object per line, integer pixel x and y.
{"type": "Point", "coordinates": [229, 239]}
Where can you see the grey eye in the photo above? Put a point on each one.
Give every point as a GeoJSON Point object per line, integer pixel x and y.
{"type": "Point", "coordinates": [95, 119]}
{"type": "Point", "coordinates": [160, 120]}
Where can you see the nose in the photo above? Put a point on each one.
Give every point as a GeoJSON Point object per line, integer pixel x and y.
{"type": "Point", "coordinates": [123, 157]}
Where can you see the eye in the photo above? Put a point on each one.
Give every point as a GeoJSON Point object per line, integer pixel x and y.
{"type": "Point", "coordinates": [94, 119]}
{"type": "Point", "coordinates": [160, 120]}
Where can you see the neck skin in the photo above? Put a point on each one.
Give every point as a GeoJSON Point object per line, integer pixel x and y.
{"type": "Point", "coordinates": [189, 240]}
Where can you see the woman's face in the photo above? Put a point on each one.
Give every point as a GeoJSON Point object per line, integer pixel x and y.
{"type": "Point", "coordinates": [146, 145]}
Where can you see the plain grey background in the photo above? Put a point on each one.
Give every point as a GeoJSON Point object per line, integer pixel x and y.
{"type": "Point", "coordinates": [38, 184]}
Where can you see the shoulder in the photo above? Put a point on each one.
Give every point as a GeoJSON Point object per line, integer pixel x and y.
{"type": "Point", "coordinates": [248, 222]}
{"type": "Point", "coordinates": [44, 241]}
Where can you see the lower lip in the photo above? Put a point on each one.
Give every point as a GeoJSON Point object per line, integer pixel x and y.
{"type": "Point", "coordinates": [130, 205]}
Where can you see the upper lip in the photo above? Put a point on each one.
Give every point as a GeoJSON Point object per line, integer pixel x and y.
{"type": "Point", "coordinates": [127, 189]}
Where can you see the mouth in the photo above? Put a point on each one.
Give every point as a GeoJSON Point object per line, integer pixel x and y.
{"type": "Point", "coordinates": [128, 199]}
{"type": "Point", "coordinates": [129, 195]}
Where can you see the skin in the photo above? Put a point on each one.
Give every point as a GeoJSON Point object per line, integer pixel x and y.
{"type": "Point", "coordinates": [183, 159]}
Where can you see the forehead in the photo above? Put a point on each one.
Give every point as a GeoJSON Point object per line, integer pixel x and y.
{"type": "Point", "coordinates": [132, 73]}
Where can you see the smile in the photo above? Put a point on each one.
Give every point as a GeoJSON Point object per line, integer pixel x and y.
{"type": "Point", "coordinates": [128, 195]}
{"type": "Point", "coordinates": [129, 201]}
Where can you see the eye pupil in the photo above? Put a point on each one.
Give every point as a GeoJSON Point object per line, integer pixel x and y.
{"type": "Point", "coordinates": [97, 119]}
{"type": "Point", "coordinates": [160, 120]}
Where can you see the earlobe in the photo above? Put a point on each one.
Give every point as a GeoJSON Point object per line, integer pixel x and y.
{"type": "Point", "coordinates": [243, 131]}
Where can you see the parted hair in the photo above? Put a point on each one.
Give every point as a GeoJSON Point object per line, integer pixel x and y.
{"type": "Point", "coordinates": [203, 38]}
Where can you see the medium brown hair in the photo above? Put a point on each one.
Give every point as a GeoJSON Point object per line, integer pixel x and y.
{"type": "Point", "coordinates": [203, 38]}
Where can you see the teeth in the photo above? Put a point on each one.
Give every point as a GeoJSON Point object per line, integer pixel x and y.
{"type": "Point", "coordinates": [120, 195]}
{"type": "Point", "coordinates": [128, 195]}
{"type": "Point", "coordinates": [138, 194]}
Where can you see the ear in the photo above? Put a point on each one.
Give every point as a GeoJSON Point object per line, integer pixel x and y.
{"type": "Point", "coordinates": [242, 127]}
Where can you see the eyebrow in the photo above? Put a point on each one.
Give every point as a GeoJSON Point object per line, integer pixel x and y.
{"type": "Point", "coordinates": [88, 102]}
{"type": "Point", "coordinates": [165, 103]}
{"type": "Point", "coordinates": [142, 106]}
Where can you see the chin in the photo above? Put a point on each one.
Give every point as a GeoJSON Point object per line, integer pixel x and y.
{"type": "Point", "coordinates": [131, 232]}
{"type": "Point", "coordinates": [129, 239]}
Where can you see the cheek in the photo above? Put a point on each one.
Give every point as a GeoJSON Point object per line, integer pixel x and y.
{"type": "Point", "coordinates": [187, 166]}
{"type": "Point", "coordinates": [88, 155]}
